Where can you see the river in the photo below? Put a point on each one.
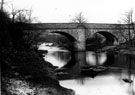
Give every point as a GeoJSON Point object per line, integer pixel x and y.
{"type": "Point", "coordinates": [119, 80]}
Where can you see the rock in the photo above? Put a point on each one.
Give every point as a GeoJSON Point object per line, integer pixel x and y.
{"type": "Point", "coordinates": [22, 87]}
{"type": "Point", "coordinates": [127, 80]}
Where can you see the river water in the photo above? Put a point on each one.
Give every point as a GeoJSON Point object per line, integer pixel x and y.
{"type": "Point", "coordinates": [118, 81]}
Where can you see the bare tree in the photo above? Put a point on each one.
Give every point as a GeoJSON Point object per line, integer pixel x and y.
{"type": "Point", "coordinates": [18, 15]}
{"type": "Point", "coordinates": [79, 18]}
{"type": "Point", "coordinates": [19, 18]}
{"type": "Point", "coordinates": [30, 15]}
{"type": "Point", "coordinates": [21, 15]}
{"type": "Point", "coordinates": [128, 21]}
{"type": "Point", "coordinates": [2, 3]}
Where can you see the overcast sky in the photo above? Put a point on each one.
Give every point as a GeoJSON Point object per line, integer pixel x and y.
{"type": "Point", "coordinates": [95, 11]}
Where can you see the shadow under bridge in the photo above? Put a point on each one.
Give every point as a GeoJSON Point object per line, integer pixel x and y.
{"type": "Point", "coordinates": [72, 41]}
{"type": "Point", "coordinates": [110, 38]}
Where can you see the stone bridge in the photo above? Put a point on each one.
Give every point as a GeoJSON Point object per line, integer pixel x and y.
{"type": "Point", "coordinates": [79, 33]}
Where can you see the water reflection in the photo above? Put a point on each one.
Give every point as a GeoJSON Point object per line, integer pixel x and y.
{"type": "Point", "coordinates": [96, 58]}
{"type": "Point", "coordinates": [58, 58]}
{"type": "Point", "coordinates": [117, 81]}
{"type": "Point", "coordinates": [111, 82]}
{"type": "Point", "coordinates": [101, 85]}
{"type": "Point", "coordinates": [69, 59]}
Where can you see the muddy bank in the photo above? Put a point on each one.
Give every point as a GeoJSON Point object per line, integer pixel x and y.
{"type": "Point", "coordinates": [26, 73]}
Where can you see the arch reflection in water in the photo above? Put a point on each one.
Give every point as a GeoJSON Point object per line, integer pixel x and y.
{"type": "Point", "coordinates": [93, 58]}
{"type": "Point", "coordinates": [57, 58]}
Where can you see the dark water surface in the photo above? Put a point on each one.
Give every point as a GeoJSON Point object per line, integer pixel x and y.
{"type": "Point", "coordinates": [118, 81]}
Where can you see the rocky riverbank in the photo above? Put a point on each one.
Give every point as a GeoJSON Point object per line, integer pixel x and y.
{"type": "Point", "coordinates": [122, 49]}
{"type": "Point", "coordinates": [26, 73]}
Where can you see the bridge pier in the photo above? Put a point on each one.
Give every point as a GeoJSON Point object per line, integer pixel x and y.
{"type": "Point", "coordinates": [80, 45]}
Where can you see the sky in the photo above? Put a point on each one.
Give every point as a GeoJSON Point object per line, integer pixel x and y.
{"type": "Point", "coordinates": [63, 11]}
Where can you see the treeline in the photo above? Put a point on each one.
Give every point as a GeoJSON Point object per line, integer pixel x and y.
{"type": "Point", "coordinates": [12, 34]}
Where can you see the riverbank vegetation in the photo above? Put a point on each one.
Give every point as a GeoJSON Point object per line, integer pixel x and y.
{"type": "Point", "coordinates": [23, 70]}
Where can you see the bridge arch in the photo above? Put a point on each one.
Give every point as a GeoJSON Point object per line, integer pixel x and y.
{"type": "Point", "coordinates": [72, 40]}
{"type": "Point", "coordinates": [109, 37]}
{"type": "Point", "coordinates": [67, 35]}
